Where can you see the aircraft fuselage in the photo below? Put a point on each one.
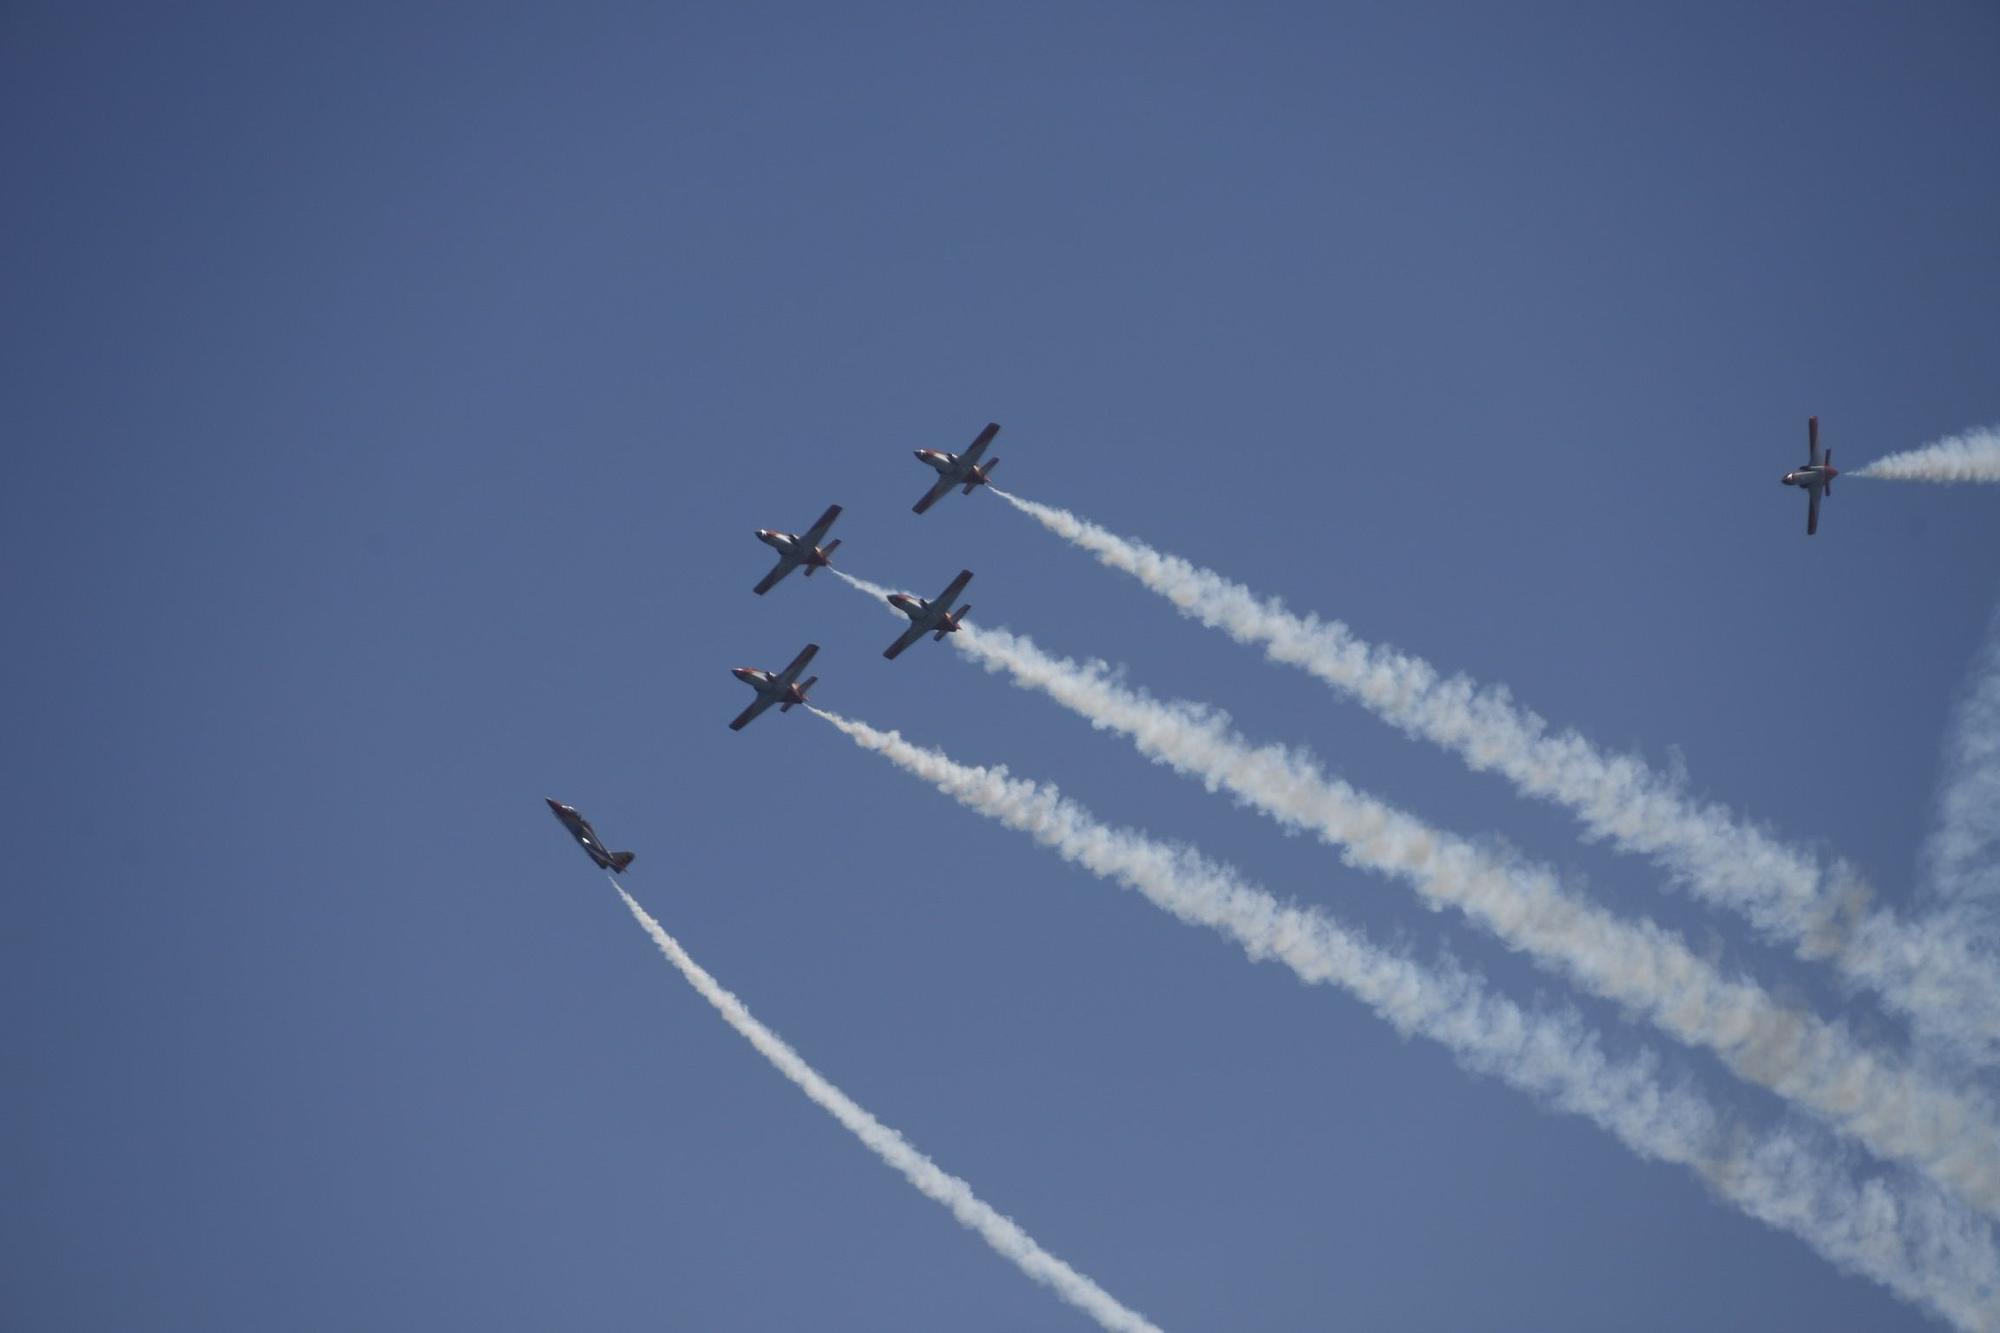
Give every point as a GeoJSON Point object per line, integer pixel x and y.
{"type": "Point", "coordinates": [929, 617]}
{"type": "Point", "coordinates": [766, 683]}
{"type": "Point", "coordinates": [586, 836]}
{"type": "Point", "coordinates": [954, 466]}
{"type": "Point", "coordinates": [791, 544]}
{"type": "Point", "coordinates": [1811, 478]}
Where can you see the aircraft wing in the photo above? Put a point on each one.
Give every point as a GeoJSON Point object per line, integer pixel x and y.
{"type": "Point", "coordinates": [750, 714]}
{"type": "Point", "coordinates": [784, 566]}
{"type": "Point", "coordinates": [971, 455]}
{"type": "Point", "coordinates": [934, 494]}
{"type": "Point", "coordinates": [904, 640]}
{"type": "Point", "coordinates": [817, 533]}
{"type": "Point", "coordinates": [944, 599]}
{"type": "Point", "coordinates": [791, 673]}
{"type": "Point", "coordinates": [1812, 510]}
{"type": "Point", "coordinates": [1812, 441]}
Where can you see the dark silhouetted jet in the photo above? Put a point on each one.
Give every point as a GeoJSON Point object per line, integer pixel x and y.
{"type": "Point", "coordinates": [782, 688]}
{"type": "Point", "coordinates": [799, 548]}
{"type": "Point", "coordinates": [580, 829]}
{"type": "Point", "coordinates": [932, 617]}
{"type": "Point", "coordinates": [958, 469]}
{"type": "Point", "coordinates": [1816, 476]}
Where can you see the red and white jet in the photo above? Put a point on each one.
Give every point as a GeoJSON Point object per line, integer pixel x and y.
{"type": "Point", "coordinates": [783, 688]}
{"type": "Point", "coordinates": [958, 469]}
{"type": "Point", "coordinates": [1816, 476]}
{"type": "Point", "coordinates": [798, 548]}
{"type": "Point", "coordinates": [934, 617]}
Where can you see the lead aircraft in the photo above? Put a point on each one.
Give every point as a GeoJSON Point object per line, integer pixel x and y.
{"type": "Point", "coordinates": [782, 688]}
{"type": "Point", "coordinates": [958, 469]}
{"type": "Point", "coordinates": [932, 617]}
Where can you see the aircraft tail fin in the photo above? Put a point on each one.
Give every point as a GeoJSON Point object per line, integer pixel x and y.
{"type": "Point", "coordinates": [950, 625]}
{"type": "Point", "coordinates": [825, 558]}
{"type": "Point", "coordinates": [619, 860]}
{"type": "Point", "coordinates": [985, 473]}
{"type": "Point", "coordinates": [1829, 472]}
{"type": "Point", "coordinates": [804, 686]}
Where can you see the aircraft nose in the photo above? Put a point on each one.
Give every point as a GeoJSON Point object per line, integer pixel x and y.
{"type": "Point", "coordinates": [554, 804]}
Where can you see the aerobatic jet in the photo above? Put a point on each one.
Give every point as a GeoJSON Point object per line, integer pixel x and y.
{"type": "Point", "coordinates": [782, 688]}
{"type": "Point", "coordinates": [799, 548]}
{"type": "Point", "coordinates": [933, 617]}
{"type": "Point", "coordinates": [958, 469]}
{"type": "Point", "coordinates": [580, 829]}
{"type": "Point", "coordinates": [1816, 476]}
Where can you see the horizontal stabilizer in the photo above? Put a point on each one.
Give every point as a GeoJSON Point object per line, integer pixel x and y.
{"type": "Point", "coordinates": [804, 686]}
{"type": "Point", "coordinates": [619, 860]}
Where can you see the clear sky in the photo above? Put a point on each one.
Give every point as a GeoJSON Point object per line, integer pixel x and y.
{"type": "Point", "coordinates": [389, 394]}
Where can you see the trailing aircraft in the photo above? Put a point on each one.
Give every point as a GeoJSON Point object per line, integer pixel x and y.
{"type": "Point", "coordinates": [934, 617]}
{"type": "Point", "coordinates": [1816, 477]}
{"type": "Point", "coordinates": [782, 688]}
{"type": "Point", "coordinates": [958, 469]}
{"type": "Point", "coordinates": [799, 548]}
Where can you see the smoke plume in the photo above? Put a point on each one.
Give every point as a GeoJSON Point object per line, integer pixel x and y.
{"type": "Point", "coordinates": [998, 1231]}
{"type": "Point", "coordinates": [1932, 977]}
{"type": "Point", "coordinates": [1903, 1234]}
{"type": "Point", "coordinates": [1973, 456]}
{"type": "Point", "coordinates": [1817, 1065]}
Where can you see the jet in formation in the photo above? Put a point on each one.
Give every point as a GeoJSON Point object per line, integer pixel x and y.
{"type": "Point", "coordinates": [783, 688]}
{"type": "Point", "coordinates": [933, 617]}
{"type": "Point", "coordinates": [1816, 476]}
{"type": "Point", "coordinates": [580, 829]}
{"type": "Point", "coordinates": [958, 469]}
{"type": "Point", "coordinates": [799, 548]}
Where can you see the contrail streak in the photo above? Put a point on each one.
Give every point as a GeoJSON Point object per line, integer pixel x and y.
{"type": "Point", "coordinates": [1932, 977]}
{"type": "Point", "coordinates": [875, 590]}
{"type": "Point", "coordinates": [998, 1231]}
{"type": "Point", "coordinates": [1907, 1236]}
{"type": "Point", "coordinates": [1868, 1095]}
{"type": "Point", "coordinates": [1973, 456]}
{"type": "Point", "coordinates": [1964, 852]}
{"type": "Point", "coordinates": [1962, 856]}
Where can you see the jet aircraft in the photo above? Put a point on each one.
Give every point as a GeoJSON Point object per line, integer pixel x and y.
{"type": "Point", "coordinates": [958, 469]}
{"type": "Point", "coordinates": [795, 549]}
{"type": "Point", "coordinates": [1816, 476]}
{"type": "Point", "coordinates": [782, 688]}
{"type": "Point", "coordinates": [933, 617]}
{"type": "Point", "coordinates": [580, 829]}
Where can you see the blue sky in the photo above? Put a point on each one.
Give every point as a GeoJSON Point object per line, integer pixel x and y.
{"type": "Point", "coordinates": [390, 396]}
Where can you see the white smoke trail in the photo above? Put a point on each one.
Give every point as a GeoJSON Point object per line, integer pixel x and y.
{"type": "Point", "coordinates": [1962, 856]}
{"type": "Point", "coordinates": [1973, 456]}
{"type": "Point", "coordinates": [1817, 1065]}
{"type": "Point", "coordinates": [875, 590]}
{"type": "Point", "coordinates": [1932, 977]}
{"type": "Point", "coordinates": [1904, 1235]}
{"type": "Point", "coordinates": [997, 1230]}
{"type": "Point", "coordinates": [1964, 853]}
